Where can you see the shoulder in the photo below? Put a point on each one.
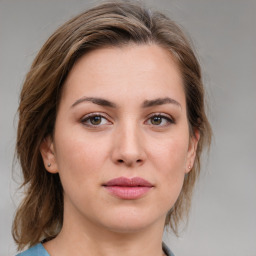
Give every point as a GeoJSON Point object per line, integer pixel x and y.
{"type": "Point", "coordinates": [166, 250]}
{"type": "Point", "coordinates": [37, 250]}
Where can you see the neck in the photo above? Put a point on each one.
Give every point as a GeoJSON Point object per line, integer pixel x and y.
{"type": "Point", "coordinates": [85, 238]}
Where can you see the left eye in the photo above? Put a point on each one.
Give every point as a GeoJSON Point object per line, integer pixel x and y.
{"type": "Point", "coordinates": [94, 120]}
{"type": "Point", "coordinates": [159, 120]}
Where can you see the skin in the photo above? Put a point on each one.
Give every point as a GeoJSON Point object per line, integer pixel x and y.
{"type": "Point", "coordinates": [127, 141]}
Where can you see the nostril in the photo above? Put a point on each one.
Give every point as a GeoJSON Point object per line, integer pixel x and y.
{"type": "Point", "coordinates": [129, 161]}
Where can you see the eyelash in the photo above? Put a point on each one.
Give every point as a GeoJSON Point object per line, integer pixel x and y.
{"type": "Point", "coordinates": [89, 117]}
{"type": "Point", "coordinates": [167, 118]}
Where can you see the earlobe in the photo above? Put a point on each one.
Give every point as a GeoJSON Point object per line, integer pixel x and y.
{"type": "Point", "coordinates": [48, 154]}
{"type": "Point", "coordinates": [192, 150]}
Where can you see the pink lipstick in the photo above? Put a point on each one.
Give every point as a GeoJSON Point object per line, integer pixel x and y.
{"type": "Point", "coordinates": [128, 188]}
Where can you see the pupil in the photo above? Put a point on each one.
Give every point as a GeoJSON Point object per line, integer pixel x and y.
{"type": "Point", "coordinates": [156, 120]}
{"type": "Point", "coordinates": [96, 120]}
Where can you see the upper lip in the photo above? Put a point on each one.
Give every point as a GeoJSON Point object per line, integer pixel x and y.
{"type": "Point", "coordinates": [129, 182]}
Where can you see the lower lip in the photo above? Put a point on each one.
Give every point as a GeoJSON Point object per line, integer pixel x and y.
{"type": "Point", "coordinates": [128, 193]}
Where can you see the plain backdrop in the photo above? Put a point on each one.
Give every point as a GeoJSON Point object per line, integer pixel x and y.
{"type": "Point", "coordinates": [223, 214]}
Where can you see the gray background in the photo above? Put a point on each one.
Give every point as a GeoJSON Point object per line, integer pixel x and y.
{"type": "Point", "coordinates": [223, 214]}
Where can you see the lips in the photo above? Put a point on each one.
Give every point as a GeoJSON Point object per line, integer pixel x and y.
{"type": "Point", "coordinates": [129, 189]}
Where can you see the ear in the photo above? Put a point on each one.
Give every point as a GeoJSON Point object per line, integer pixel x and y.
{"type": "Point", "coordinates": [191, 155]}
{"type": "Point", "coordinates": [48, 155]}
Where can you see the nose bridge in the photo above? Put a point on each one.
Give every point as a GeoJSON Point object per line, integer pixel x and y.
{"type": "Point", "coordinates": [129, 138]}
{"type": "Point", "coordinates": [129, 143]}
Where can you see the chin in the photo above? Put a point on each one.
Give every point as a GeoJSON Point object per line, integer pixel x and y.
{"type": "Point", "coordinates": [131, 221]}
{"type": "Point", "coordinates": [128, 227]}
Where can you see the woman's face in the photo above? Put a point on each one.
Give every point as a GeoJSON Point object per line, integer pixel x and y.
{"type": "Point", "coordinates": [121, 143]}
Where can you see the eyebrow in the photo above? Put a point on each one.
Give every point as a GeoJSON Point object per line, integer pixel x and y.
{"type": "Point", "coordinates": [160, 101]}
{"type": "Point", "coordinates": [98, 101]}
{"type": "Point", "coordinates": [145, 104]}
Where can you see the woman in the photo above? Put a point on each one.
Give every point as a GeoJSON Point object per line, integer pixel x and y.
{"type": "Point", "coordinates": [111, 129]}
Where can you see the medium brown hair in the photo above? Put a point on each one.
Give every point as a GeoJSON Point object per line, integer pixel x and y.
{"type": "Point", "coordinates": [117, 23]}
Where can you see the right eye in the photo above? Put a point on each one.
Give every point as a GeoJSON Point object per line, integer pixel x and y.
{"type": "Point", "coordinates": [94, 120]}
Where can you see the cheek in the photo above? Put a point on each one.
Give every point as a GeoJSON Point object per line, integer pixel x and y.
{"type": "Point", "coordinates": [169, 159]}
{"type": "Point", "coordinates": [169, 156]}
{"type": "Point", "coordinates": [79, 158]}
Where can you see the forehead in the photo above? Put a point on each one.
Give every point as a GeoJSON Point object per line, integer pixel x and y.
{"type": "Point", "coordinates": [136, 70]}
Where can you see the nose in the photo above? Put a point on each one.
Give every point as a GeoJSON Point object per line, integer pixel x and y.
{"type": "Point", "coordinates": [128, 146]}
